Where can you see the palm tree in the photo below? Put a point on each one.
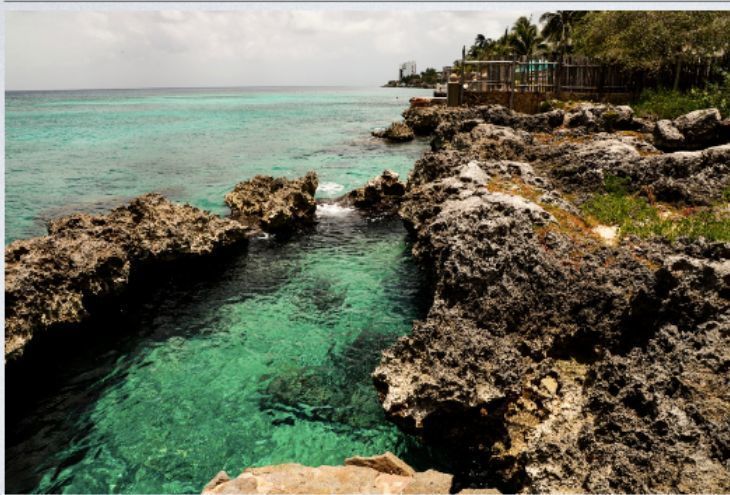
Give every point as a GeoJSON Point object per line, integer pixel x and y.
{"type": "Point", "coordinates": [558, 28]}
{"type": "Point", "coordinates": [558, 31]}
{"type": "Point", "coordinates": [524, 38]}
{"type": "Point", "coordinates": [477, 48]}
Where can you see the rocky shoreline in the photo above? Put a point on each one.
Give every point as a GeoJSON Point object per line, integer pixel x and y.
{"type": "Point", "coordinates": [555, 358]}
{"type": "Point", "coordinates": [559, 354]}
{"type": "Point", "coordinates": [87, 263]}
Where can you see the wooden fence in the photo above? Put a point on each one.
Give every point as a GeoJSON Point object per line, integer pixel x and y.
{"type": "Point", "coordinates": [526, 81]}
{"type": "Point", "coordinates": [540, 75]}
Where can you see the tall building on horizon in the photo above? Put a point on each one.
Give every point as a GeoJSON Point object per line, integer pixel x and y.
{"type": "Point", "coordinates": [407, 69]}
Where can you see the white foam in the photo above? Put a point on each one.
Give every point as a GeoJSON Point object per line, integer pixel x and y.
{"type": "Point", "coordinates": [330, 187]}
{"type": "Point", "coordinates": [333, 210]}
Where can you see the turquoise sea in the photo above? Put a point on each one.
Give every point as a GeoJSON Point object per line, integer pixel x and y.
{"type": "Point", "coordinates": [259, 357]}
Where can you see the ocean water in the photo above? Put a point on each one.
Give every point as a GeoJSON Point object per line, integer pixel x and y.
{"type": "Point", "coordinates": [257, 357]}
{"type": "Point", "coordinates": [91, 150]}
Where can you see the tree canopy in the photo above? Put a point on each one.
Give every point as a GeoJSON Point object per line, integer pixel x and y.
{"type": "Point", "coordinates": [651, 40]}
{"type": "Point", "coordinates": [558, 28]}
{"type": "Point", "coordinates": [655, 43]}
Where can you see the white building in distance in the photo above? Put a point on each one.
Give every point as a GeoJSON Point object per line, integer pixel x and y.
{"type": "Point", "coordinates": [407, 69]}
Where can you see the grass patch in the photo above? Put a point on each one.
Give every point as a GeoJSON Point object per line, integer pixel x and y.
{"type": "Point", "coordinates": [635, 216]}
{"type": "Point", "coordinates": [668, 104]}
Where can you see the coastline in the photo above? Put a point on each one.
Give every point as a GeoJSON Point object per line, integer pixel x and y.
{"type": "Point", "coordinates": [551, 356]}
{"type": "Point", "coordinates": [530, 330]}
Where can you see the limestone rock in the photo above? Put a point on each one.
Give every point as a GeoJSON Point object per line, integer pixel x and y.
{"type": "Point", "coordinates": [380, 195]}
{"type": "Point", "coordinates": [667, 136]}
{"type": "Point", "coordinates": [699, 128]}
{"type": "Point", "coordinates": [53, 281]}
{"type": "Point", "coordinates": [277, 205]}
{"type": "Point", "coordinates": [397, 132]}
{"type": "Point", "coordinates": [384, 463]}
{"type": "Point", "coordinates": [549, 361]}
{"type": "Point", "coordinates": [380, 474]}
{"type": "Point", "coordinates": [692, 131]}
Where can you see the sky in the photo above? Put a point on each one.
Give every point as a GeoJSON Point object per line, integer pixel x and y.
{"type": "Point", "coordinates": [81, 50]}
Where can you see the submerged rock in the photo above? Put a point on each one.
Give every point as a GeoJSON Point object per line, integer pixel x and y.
{"type": "Point", "coordinates": [380, 474]}
{"type": "Point", "coordinates": [276, 205]}
{"type": "Point", "coordinates": [380, 195]}
{"type": "Point", "coordinates": [56, 280]}
{"type": "Point", "coordinates": [398, 132]}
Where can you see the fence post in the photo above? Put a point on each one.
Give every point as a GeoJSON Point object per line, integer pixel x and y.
{"type": "Point", "coordinates": [463, 73]}
{"type": "Point", "coordinates": [453, 92]}
{"type": "Point", "coordinates": [601, 79]}
{"type": "Point", "coordinates": [558, 75]}
{"type": "Point", "coordinates": [512, 82]}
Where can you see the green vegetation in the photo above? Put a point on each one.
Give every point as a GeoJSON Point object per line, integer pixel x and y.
{"type": "Point", "coordinates": [524, 38]}
{"type": "Point", "coordinates": [635, 216]}
{"type": "Point", "coordinates": [558, 28]}
{"type": "Point", "coordinates": [655, 41]}
{"type": "Point", "coordinates": [428, 77]}
{"type": "Point", "coordinates": [668, 104]}
{"type": "Point", "coordinates": [656, 49]}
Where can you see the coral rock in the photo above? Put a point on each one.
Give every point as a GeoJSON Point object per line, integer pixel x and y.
{"type": "Point", "coordinates": [276, 205]}
{"type": "Point", "coordinates": [54, 280]}
{"type": "Point", "coordinates": [398, 132]}
{"type": "Point", "coordinates": [380, 474]}
{"type": "Point", "coordinates": [380, 195]}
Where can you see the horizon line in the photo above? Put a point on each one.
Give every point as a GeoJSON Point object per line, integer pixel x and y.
{"type": "Point", "coordinates": [206, 87]}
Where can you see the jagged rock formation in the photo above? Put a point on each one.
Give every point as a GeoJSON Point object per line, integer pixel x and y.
{"type": "Point", "coordinates": [692, 177]}
{"type": "Point", "coordinates": [549, 360]}
{"type": "Point", "coordinates": [86, 261]}
{"type": "Point", "coordinates": [588, 117]}
{"type": "Point", "coordinates": [55, 280]}
{"type": "Point", "coordinates": [381, 195]}
{"type": "Point", "coordinates": [397, 132]}
{"type": "Point", "coordinates": [276, 205]}
{"type": "Point", "coordinates": [380, 474]}
{"type": "Point", "coordinates": [691, 131]}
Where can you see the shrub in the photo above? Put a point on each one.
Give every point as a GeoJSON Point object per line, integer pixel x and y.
{"type": "Point", "coordinates": [668, 104]}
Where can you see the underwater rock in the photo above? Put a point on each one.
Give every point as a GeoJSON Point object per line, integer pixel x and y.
{"type": "Point", "coordinates": [397, 132]}
{"type": "Point", "coordinates": [550, 361]}
{"type": "Point", "coordinates": [380, 474]}
{"type": "Point", "coordinates": [56, 280]}
{"type": "Point", "coordinates": [277, 205]}
{"type": "Point", "coordinates": [380, 195]}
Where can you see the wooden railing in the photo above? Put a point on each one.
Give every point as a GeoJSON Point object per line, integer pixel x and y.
{"type": "Point", "coordinates": [540, 75]}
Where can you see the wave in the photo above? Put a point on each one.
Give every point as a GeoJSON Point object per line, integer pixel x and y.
{"type": "Point", "coordinates": [330, 187]}
{"type": "Point", "coordinates": [333, 210]}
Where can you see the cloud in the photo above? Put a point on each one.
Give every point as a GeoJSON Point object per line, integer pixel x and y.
{"type": "Point", "coordinates": [63, 50]}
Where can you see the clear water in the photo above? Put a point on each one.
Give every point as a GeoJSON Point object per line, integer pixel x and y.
{"type": "Point", "coordinates": [90, 150]}
{"type": "Point", "coordinates": [260, 357]}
